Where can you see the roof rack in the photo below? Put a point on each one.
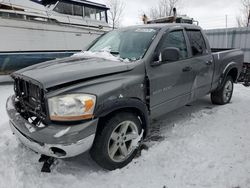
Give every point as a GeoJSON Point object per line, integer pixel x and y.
{"type": "Point", "coordinates": [170, 19]}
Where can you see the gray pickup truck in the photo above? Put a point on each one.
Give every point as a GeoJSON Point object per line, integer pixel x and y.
{"type": "Point", "coordinates": [105, 100]}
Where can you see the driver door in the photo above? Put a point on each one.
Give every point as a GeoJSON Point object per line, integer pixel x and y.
{"type": "Point", "coordinates": [171, 82]}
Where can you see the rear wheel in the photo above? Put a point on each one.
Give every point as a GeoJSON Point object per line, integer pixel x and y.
{"type": "Point", "coordinates": [224, 94]}
{"type": "Point", "coordinates": [117, 143]}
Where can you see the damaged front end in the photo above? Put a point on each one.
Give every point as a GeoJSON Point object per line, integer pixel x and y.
{"type": "Point", "coordinates": [30, 100]}
{"type": "Point", "coordinates": [29, 121]}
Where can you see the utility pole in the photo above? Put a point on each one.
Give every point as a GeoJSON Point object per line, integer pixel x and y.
{"type": "Point", "coordinates": [226, 30]}
{"type": "Point", "coordinates": [248, 19]}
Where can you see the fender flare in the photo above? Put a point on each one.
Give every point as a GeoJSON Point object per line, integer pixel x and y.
{"type": "Point", "coordinates": [225, 72]}
{"type": "Point", "coordinates": [111, 106]}
{"type": "Point", "coordinates": [229, 67]}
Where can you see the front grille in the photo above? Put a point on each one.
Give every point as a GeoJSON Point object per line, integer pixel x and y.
{"type": "Point", "coordinates": [30, 97]}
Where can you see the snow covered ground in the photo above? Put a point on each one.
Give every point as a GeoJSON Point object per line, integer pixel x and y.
{"type": "Point", "coordinates": [200, 145]}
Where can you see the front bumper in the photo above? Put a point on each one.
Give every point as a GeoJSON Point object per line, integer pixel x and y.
{"type": "Point", "coordinates": [60, 141]}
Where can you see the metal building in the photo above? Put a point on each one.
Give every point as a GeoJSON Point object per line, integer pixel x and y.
{"type": "Point", "coordinates": [231, 38]}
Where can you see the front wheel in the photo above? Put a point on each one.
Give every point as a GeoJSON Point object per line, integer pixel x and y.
{"type": "Point", "coordinates": [224, 94]}
{"type": "Point", "coordinates": [117, 143]}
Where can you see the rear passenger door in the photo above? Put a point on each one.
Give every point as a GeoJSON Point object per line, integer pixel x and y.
{"type": "Point", "coordinates": [202, 63]}
{"type": "Point", "coordinates": [170, 82]}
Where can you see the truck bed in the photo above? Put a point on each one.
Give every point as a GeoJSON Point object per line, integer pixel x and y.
{"type": "Point", "coordinates": [222, 58]}
{"type": "Point", "coordinates": [214, 50]}
{"type": "Point", "coordinates": [223, 53]}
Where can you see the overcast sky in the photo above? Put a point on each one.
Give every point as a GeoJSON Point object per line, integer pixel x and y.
{"type": "Point", "coordinates": [209, 13]}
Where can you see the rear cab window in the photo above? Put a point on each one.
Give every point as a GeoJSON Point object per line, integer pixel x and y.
{"type": "Point", "coordinates": [197, 42]}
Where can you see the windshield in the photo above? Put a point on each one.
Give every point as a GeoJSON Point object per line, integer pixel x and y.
{"type": "Point", "coordinates": [129, 44]}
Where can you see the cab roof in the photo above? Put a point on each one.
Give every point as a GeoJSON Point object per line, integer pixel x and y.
{"type": "Point", "coordinates": [166, 25]}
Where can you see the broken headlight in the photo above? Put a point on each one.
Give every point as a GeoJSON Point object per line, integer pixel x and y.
{"type": "Point", "coordinates": [72, 107]}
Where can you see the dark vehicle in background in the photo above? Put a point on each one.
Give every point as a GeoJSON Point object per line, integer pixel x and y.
{"type": "Point", "coordinates": [245, 75]}
{"type": "Point", "coordinates": [64, 107]}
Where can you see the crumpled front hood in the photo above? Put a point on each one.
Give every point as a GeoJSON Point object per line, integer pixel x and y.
{"type": "Point", "coordinates": [61, 71]}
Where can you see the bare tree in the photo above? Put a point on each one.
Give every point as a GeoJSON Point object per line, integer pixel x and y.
{"type": "Point", "coordinates": [244, 19]}
{"type": "Point", "coordinates": [115, 12]}
{"type": "Point", "coordinates": [163, 8]}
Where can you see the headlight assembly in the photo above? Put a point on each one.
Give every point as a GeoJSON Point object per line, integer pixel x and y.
{"type": "Point", "coordinates": [72, 107]}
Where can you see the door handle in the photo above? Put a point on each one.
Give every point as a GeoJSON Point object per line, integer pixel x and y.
{"type": "Point", "coordinates": [187, 69]}
{"type": "Point", "coordinates": [209, 62]}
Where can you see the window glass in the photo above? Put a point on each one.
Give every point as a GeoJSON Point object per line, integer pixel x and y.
{"type": "Point", "coordinates": [98, 14]}
{"type": "Point", "coordinates": [77, 9]}
{"type": "Point", "coordinates": [11, 15]}
{"type": "Point", "coordinates": [95, 14]}
{"type": "Point", "coordinates": [64, 8]}
{"type": "Point", "coordinates": [103, 16]}
{"type": "Point", "coordinates": [129, 44]}
{"type": "Point", "coordinates": [90, 12]}
{"type": "Point", "coordinates": [175, 39]}
{"type": "Point", "coordinates": [197, 42]}
{"type": "Point", "coordinates": [87, 12]}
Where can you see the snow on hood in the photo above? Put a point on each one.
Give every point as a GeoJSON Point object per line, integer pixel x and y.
{"type": "Point", "coordinates": [100, 54]}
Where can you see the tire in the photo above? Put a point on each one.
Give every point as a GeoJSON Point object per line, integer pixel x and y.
{"type": "Point", "coordinates": [117, 143]}
{"type": "Point", "coordinates": [225, 93]}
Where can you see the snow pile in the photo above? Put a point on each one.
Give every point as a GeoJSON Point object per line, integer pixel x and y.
{"type": "Point", "coordinates": [204, 146]}
{"type": "Point", "coordinates": [104, 54]}
{"type": "Point", "coordinates": [101, 54]}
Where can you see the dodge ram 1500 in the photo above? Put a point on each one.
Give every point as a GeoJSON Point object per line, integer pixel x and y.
{"type": "Point", "coordinates": [105, 103]}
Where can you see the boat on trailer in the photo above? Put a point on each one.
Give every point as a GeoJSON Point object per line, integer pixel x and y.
{"type": "Point", "coordinates": [59, 29]}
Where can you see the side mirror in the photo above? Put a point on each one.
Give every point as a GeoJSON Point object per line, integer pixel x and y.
{"type": "Point", "coordinates": [167, 55]}
{"type": "Point", "coordinates": [170, 54]}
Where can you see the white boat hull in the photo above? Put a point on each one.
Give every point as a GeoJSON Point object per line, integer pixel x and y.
{"type": "Point", "coordinates": [29, 36]}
